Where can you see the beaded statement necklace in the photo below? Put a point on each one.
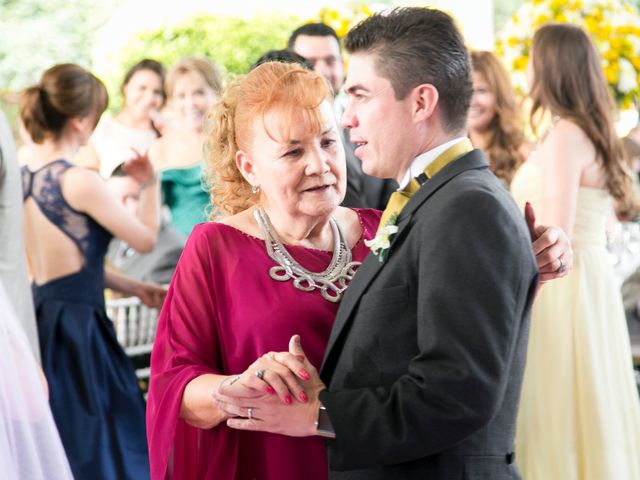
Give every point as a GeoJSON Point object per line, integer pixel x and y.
{"type": "Point", "coordinates": [331, 283]}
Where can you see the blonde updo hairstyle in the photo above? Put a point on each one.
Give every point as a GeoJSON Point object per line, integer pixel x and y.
{"type": "Point", "coordinates": [208, 70]}
{"type": "Point", "coordinates": [287, 88]}
{"type": "Point", "coordinates": [64, 92]}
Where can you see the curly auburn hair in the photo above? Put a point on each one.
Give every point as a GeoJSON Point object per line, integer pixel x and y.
{"type": "Point", "coordinates": [288, 88]}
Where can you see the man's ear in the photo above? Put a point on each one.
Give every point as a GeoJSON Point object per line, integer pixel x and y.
{"type": "Point", "coordinates": [245, 166]}
{"type": "Point", "coordinates": [424, 100]}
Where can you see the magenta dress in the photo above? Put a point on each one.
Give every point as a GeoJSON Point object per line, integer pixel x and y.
{"type": "Point", "coordinates": [222, 312]}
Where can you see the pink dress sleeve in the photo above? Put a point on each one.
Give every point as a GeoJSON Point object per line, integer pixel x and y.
{"type": "Point", "coordinates": [185, 347]}
{"type": "Point", "coordinates": [222, 312]}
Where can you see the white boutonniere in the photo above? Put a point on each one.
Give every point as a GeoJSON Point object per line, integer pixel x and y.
{"type": "Point", "coordinates": [380, 244]}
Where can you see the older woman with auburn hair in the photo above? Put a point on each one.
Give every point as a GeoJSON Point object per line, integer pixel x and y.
{"type": "Point", "coordinates": [579, 415]}
{"type": "Point", "coordinates": [494, 122]}
{"type": "Point", "coordinates": [277, 263]}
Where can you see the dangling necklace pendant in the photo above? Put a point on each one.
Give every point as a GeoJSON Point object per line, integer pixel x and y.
{"type": "Point", "coordinates": [332, 282]}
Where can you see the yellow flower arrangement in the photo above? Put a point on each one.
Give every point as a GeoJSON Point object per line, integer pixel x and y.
{"type": "Point", "coordinates": [614, 27]}
{"type": "Point", "coordinates": [342, 19]}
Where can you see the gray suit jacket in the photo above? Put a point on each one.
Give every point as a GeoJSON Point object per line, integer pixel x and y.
{"type": "Point", "coordinates": [156, 266]}
{"type": "Point", "coordinates": [425, 361]}
{"type": "Point", "coordinates": [13, 265]}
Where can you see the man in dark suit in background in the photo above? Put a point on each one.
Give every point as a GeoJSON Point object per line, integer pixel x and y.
{"type": "Point", "coordinates": [319, 45]}
{"type": "Point", "coordinates": [422, 374]}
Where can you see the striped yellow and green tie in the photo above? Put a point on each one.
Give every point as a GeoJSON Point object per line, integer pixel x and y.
{"type": "Point", "coordinates": [399, 199]}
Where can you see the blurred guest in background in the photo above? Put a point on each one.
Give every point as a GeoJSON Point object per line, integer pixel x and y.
{"type": "Point", "coordinates": [631, 144]}
{"type": "Point", "coordinates": [30, 446]}
{"type": "Point", "coordinates": [132, 131]}
{"type": "Point", "coordinates": [631, 300]}
{"type": "Point", "coordinates": [320, 46]}
{"type": "Point", "coordinates": [193, 86]}
{"type": "Point", "coordinates": [70, 216]}
{"type": "Point", "coordinates": [579, 413]}
{"type": "Point", "coordinates": [158, 265]}
{"type": "Point", "coordinates": [494, 121]}
{"type": "Point", "coordinates": [13, 264]}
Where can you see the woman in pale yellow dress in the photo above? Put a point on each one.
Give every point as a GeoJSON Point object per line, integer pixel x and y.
{"type": "Point", "coordinates": [579, 413]}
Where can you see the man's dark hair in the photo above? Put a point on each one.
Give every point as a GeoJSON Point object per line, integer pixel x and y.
{"type": "Point", "coordinates": [414, 45]}
{"type": "Point", "coordinates": [312, 30]}
{"type": "Point", "coordinates": [284, 56]}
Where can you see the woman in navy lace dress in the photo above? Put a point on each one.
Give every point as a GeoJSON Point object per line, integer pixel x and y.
{"type": "Point", "coordinates": [70, 217]}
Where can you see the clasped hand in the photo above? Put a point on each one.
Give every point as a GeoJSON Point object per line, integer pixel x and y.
{"type": "Point", "coordinates": [551, 247]}
{"type": "Point", "coordinates": [278, 393]}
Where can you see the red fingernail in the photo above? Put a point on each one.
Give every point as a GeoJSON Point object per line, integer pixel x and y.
{"type": "Point", "coordinates": [288, 400]}
{"type": "Point", "coordinates": [270, 390]}
{"type": "Point", "coordinates": [304, 375]}
{"type": "Point", "coordinates": [303, 397]}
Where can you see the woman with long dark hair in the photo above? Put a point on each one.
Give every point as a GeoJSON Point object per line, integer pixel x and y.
{"type": "Point", "coordinates": [579, 415]}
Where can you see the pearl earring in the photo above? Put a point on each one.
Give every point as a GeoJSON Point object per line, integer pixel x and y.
{"type": "Point", "coordinates": [255, 189]}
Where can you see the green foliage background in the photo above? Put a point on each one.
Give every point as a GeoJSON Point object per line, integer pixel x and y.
{"type": "Point", "coordinates": [233, 43]}
{"type": "Point", "coordinates": [36, 34]}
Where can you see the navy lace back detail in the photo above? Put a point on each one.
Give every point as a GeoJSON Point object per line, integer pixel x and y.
{"type": "Point", "coordinates": [93, 389]}
{"type": "Point", "coordinates": [43, 186]}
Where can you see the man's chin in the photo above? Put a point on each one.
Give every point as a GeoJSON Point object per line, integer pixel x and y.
{"type": "Point", "coordinates": [370, 169]}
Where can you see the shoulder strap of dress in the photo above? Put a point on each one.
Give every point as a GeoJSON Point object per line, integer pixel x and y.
{"type": "Point", "coordinates": [27, 182]}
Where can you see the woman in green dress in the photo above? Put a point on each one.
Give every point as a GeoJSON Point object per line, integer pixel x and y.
{"type": "Point", "coordinates": [193, 86]}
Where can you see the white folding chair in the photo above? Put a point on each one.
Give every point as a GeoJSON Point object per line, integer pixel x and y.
{"type": "Point", "coordinates": [135, 326]}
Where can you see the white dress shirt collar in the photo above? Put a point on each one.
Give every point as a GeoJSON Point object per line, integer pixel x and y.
{"type": "Point", "coordinates": [421, 161]}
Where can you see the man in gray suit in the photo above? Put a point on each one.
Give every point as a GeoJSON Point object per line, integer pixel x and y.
{"type": "Point", "coordinates": [13, 264]}
{"type": "Point", "coordinates": [156, 266]}
{"type": "Point", "coordinates": [422, 374]}
{"type": "Point", "coordinates": [320, 46]}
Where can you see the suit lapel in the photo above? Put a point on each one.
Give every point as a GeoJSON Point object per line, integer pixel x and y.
{"type": "Point", "coordinates": [371, 265]}
{"type": "Point", "coordinates": [469, 161]}
{"type": "Point", "coordinates": [366, 273]}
